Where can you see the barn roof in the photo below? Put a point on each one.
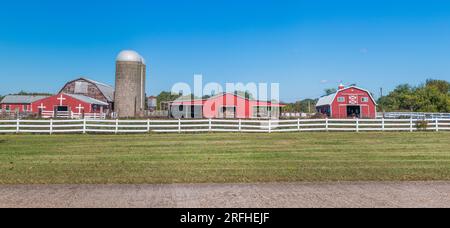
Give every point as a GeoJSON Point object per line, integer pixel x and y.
{"type": "Point", "coordinates": [21, 99]}
{"type": "Point", "coordinates": [86, 99]}
{"type": "Point", "coordinates": [106, 90]}
{"type": "Point", "coordinates": [328, 100]}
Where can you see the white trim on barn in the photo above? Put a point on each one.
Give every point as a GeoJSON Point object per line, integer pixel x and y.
{"type": "Point", "coordinates": [328, 100]}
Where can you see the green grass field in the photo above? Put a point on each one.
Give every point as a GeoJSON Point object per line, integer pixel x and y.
{"type": "Point", "coordinates": [223, 158]}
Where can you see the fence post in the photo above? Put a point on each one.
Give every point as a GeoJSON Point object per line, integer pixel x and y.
{"type": "Point", "coordinates": [357, 124]}
{"type": "Point", "coordinates": [382, 125]}
{"type": "Point", "coordinates": [84, 125]}
{"type": "Point", "coordinates": [179, 125]}
{"type": "Point", "coordinates": [298, 124]}
{"type": "Point", "coordinates": [326, 124]}
{"type": "Point", "coordinates": [148, 125]}
{"type": "Point", "coordinates": [411, 125]}
{"type": "Point", "coordinates": [437, 125]}
{"type": "Point", "coordinates": [51, 126]}
{"type": "Point", "coordinates": [117, 126]}
{"type": "Point", "coordinates": [18, 126]}
{"type": "Point", "coordinates": [210, 125]}
{"type": "Point", "coordinates": [240, 125]}
{"type": "Point", "coordinates": [270, 126]}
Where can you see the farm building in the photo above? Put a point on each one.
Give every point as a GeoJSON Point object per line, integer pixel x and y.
{"type": "Point", "coordinates": [19, 103]}
{"type": "Point", "coordinates": [225, 105]}
{"type": "Point", "coordinates": [152, 103]}
{"type": "Point", "coordinates": [90, 88]}
{"type": "Point", "coordinates": [68, 105]}
{"type": "Point", "coordinates": [350, 102]}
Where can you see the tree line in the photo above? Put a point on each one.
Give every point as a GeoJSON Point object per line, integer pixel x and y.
{"type": "Point", "coordinates": [431, 96]}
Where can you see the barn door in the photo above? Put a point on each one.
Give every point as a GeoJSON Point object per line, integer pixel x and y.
{"type": "Point", "coordinates": [354, 111]}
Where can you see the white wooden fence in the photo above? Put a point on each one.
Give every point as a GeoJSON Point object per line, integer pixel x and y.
{"type": "Point", "coordinates": [414, 115]}
{"type": "Point", "coordinates": [211, 125]}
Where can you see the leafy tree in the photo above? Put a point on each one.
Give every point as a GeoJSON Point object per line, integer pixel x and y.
{"type": "Point", "coordinates": [166, 97]}
{"type": "Point", "coordinates": [330, 91]}
{"type": "Point", "coordinates": [303, 106]}
{"type": "Point", "coordinates": [245, 94]}
{"type": "Point", "coordinates": [433, 96]}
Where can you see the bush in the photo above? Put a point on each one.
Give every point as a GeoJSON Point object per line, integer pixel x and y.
{"type": "Point", "coordinates": [422, 125]}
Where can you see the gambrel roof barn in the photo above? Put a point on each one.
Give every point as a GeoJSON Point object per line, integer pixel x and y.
{"type": "Point", "coordinates": [90, 88]}
{"type": "Point", "coordinates": [350, 102]}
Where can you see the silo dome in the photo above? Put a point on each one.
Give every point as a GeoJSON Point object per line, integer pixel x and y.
{"type": "Point", "coordinates": [130, 56]}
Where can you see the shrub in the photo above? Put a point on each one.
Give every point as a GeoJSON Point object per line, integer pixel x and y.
{"type": "Point", "coordinates": [422, 125]}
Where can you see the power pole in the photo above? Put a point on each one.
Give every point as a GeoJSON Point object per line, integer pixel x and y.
{"type": "Point", "coordinates": [381, 96]}
{"type": "Point", "coordinates": [309, 106]}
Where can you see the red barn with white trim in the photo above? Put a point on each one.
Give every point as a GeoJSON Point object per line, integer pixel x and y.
{"type": "Point", "coordinates": [350, 102]}
{"type": "Point", "coordinates": [69, 103]}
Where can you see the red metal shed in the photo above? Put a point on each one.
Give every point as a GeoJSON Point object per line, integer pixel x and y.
{"type": "Point", "coordinates": [350, 102]}
{"type": "Point", "coordinates": [19, 103]}
{"type": "Point", "coordinates": [225, 105]}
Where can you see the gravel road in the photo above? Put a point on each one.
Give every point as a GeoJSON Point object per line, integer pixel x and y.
{"type": "Point", "coordinates": [304, 195]}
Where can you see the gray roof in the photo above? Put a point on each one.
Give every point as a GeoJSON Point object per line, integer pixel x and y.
{"type": "Point", "coordinates": [326, 100]}
{"type": "Point", "coordinates": [21, 99]}
{"type": "Point", "coordinates": [107, 90]}
{"type": "Point", "coordinates": [86, 99]}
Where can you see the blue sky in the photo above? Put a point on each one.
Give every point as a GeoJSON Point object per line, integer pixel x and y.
{"type": "Point", "coordinates": [306, 46]}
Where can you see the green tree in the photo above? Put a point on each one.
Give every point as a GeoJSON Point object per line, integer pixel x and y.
{"type": "Point", "coordinates": [166, 97]}
{"type": "Point", "coordinates": [245, 94]}
{"type": "Point", "coordinates": [303, 106]}
{"type": "Point", "coordinates": [330, 91]}
{"type": "Point", "coordinates": [433, 96]}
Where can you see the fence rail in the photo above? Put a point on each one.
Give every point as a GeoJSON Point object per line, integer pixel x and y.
{"type": "Point", "coordinates": [213, 125]}
{"type": "Point", "coordinates": [414, 115]}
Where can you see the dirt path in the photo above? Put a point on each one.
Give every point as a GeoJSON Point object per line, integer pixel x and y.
{"type": "Point", "coordinates": [367, 194]}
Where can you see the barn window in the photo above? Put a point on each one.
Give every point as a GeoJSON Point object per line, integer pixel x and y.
{"type": "Point", "coordinates": [365, 99]}
{"type": "Point", "coordinates": [341, 99]}
{"type": "Point", "coordinates": [7, 108]}
{"type": "Point", "coordinates": [25, 108]}
{"type": "Point", "coordinates": [81, 87]}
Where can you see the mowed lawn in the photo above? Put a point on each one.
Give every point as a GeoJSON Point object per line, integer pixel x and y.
{"type": "Point", "coordinates": [223, 158]}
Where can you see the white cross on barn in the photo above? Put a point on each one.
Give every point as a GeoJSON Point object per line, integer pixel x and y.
{"type": "Point", "coordinates": [79, 108]}
{"type": "Point", "coordinates": [61, 99]}
{"type": "Point", "coordinates": [42, 107]}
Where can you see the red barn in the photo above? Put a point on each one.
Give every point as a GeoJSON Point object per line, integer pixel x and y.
{"type": "Point", "coordinates": [225, 105]}
{"type": "Point", "coordinates": [19, 103]}
{"type": "Point", "coordinates": [90, 88]}
{"type": "Point", "coordinates": [68, 104]}
{"type": "Point", "coordinates": [351, 102]}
